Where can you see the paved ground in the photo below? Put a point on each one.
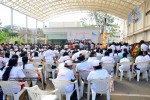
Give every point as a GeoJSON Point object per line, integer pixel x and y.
{"type": "Point", "coordinates": [124, 90]}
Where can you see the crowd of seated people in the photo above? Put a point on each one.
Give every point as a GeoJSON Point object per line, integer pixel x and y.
{"type": "Point", "coordinates": [15, 57]}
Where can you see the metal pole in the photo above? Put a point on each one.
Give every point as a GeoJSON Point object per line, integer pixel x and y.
{"type": "Point", "coordinates": [36, 31]}
{"type": "Point", "coordinates": [11, 20]}
{"type": "Point", "coordinates": [26, 34]}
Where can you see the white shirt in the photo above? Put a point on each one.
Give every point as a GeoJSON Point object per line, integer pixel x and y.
{"type": "Point", "coordinates": [139, 59]}
{"type": "Point", "coordinates": [49, 54]}
{"type": "Point", "coordinates": [84, 66]}
{"type": "Point", "coordinates": [99, 54]}
{"type": "Point", "coordinates": [63, 58]}
{"type": "Point", "coordinates": [147, 58]}
{"type": "Point", "coordinates": [112, 47]}
{"type": "Point", "coordinates": [144, 47]}
{"type": "Point", "coordinates": [98, 74]}
{"type": "Point", "coordinates": [61, 66]}
{"type": "Point", "coordinates": [107, 59]}
{"type": "Point", "coordinates": [118, 48]}
{"type": "Point", "coordinates": [38, 59]}
{"type": "Point", "coordinates": [123, 47]}
{"type": "Point", "coordinates": [90, 59]}
{"type": "Point", "coordinates": [16, 72]}
{"type": "Point", "coordinates": [75, 56]}
{"type": "Point", "coordinates": [66, 74]}
{"type": "Point", "coordinates": [1, 62]}
{"type": "Point", "coordinates": [123, 60]}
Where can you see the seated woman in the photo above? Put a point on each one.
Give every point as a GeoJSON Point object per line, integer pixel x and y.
{"type": "Point", "coordinates": [28, 66]}
{"type": "Point", "coordinates": [98, 73]}
{"type": "Point", "coordinates": [13, 72]}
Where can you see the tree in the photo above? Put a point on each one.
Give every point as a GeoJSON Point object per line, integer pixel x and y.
{"type": "Point", "coordinates": [97, 19]}
{"type": "Point", "coordinates": [3, 36]}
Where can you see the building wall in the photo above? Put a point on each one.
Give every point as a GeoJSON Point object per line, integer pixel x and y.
{"type": "Point", "coordinates": [140, 30]}
{"type": "Point", "coordinates": [73, 33]}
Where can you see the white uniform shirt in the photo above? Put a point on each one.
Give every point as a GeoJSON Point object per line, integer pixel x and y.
{"type": "Point", "coordinates": [123, 60]}
{"type": "Point", "coordinates": [66, 74]}
{"type": "Point", "coordinates": [16, 72]}
{"type": "Point", "coordinates": [84, 66]}
{"type": "Point", "coordinates": [139, 59]}
{"type": "Point", "coordinates": [1, 62]}
{"type": "Point", "coordinates": [99, 54]}
{"type": "Point", "coordinates": [49, 54]}
{"type": "Point", "coordinates": [98, 74]}
{"type": "Point", "coordinates": [123, 47]}
{"type": "Point", "coordinates": [118, 47]}
{"type": "Point", "coordinates": [38, 59]}
{"type": "Point", "coordinates": [107, 59]}
{"type": "Point", "coordinates": [144, 47]}
{"type": "Point", "coordinates": [147, 58]}
{"type": "Point", "coordinates": [63, 58]}
{"type": "Point", "coordinates": [61, 66]}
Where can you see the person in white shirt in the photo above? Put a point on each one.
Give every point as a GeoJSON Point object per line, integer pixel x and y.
{"type": "Point", "coordinates": [144, 47]}
{"type": "Point", "coordinates": [99, 52]}
{"type": "Point", "coordinates": [49, 55]}
{"type": "Point", "coordinates": [107, 58]}
{"type": "Point", "coordinates": [111, 53]}
{"type": "Point", "coordinates": [92, 56]}
{"type": "Point", "coordinates": [124, 59]}
{"type": "Point", "coordinates": [146, 56]}
{"type": "Point", "coordinates": [13, 72]}
{"type": "Point", "coordinates": [64, 56]}
{"type": "Point", "coordinates": [67, 74]}
{"type": "Point", "coordinates": [139, 58]}
{"type": "Point", "coordinates": [36, 57]}
{"type": "Point", "coordinates": [83, 66]}
{"type": "Point", "coordinates": [98, 73]}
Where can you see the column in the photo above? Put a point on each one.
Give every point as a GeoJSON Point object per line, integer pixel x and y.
{"type": "Point", "coordinates": [11, 20]}
{"type": "Point", "coordinates": [36, 32]}
{"type": "Point", "coordinates": [26, 35]}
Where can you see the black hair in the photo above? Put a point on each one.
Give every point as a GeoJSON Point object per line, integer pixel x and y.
{"type": "Point", "coordinates": [140, 53]}
{"type": "Point", "coordinates": [12, 62]}
{"type": "Point", "coordinates": [7, 54]}
{"type": "Point", "coordinates": [92, 53]}
{"type": "Point", "coordinates": [81, 58]}
{"type": "Point", "coordinates": [145, 52]}
{"type": "Point", "coordinates": [65, 54]}
{"type": "Point", "coordinates": [125, 55]}
{"type": "Point", "coordinates": [15, 56]}
{"type": "Point", "coordinates": [106, 53]}
{"type": "Point", "coordinates": [25, 61]}
{"type": "Point", "coordinates": [36, 54]}
{"type": "Point", "coordinates": [98, 50]}
{"type": "Point", "coordinates": [109, 50]}
{"type": "Point", "coordinates": [98, 67]}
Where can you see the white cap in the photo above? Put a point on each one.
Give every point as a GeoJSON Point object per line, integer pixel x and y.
{"type": "Point", "coordinates": [68, 62]}
{"type": "Point", "coordinates": [95, 63]}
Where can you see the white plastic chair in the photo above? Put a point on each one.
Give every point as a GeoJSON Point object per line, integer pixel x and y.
{"type": "Point", "coordinates": [48, 69]}
{"type": "Point", "coordinates": [102, 87]}
{"type": "Point", "coordinates": [82, 81]}
{"type": "Point", "coordinates": [36, 64]}
{"type": "Point", "coordinates": [117, 59]}
{"type": "Point", "coordinates": [36, 94]}
{"type": "Point", "coordinates": [8, 88]}
{"type": "Point", "coordinates": [143, 69]}
{"type": "Point", "coordinates": [60, 86]}
{"type": "Point", "coordinates": [126, 68]}
{"type": "Point", "coordinates": [109, 67]}
{"type": "Point", "coordinates": [33, 75]}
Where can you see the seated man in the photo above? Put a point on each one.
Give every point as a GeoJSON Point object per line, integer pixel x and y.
{"type": "Point", "coordinates": [83, 66]}
{"type": "Point", "coordinates": [107, 58]}
{"type": "Point", "coordinates": [139, 58]}
{"type": "Point", "coordinates": [98, 73]}
{"type": "Point", "coordinates": [124, 59]}
{"type": "Point", "coordinates": [67, 73]}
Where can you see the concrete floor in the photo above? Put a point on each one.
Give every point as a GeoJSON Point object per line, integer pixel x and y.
{"type": "Point", "coordinates": [124, 90]}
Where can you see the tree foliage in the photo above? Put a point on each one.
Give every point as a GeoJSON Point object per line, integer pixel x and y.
{"type": "Point", "coordinates": [96, 19]}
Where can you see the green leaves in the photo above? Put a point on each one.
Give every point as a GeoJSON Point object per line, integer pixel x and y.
{"type": "Point", "coordinates": [3, 36]}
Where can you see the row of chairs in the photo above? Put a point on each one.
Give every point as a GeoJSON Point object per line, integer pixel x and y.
{"type": "Point", "coordinates": [35, 93]}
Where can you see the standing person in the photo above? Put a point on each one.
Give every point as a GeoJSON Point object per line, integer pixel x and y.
{"type": "Point", "coordinates": [49, 55]}
{"type": "Point", "coordinates": [144, 47]}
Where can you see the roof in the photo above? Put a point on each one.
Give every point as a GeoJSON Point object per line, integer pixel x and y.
{"type": "Point", "coordinates": [44, 9]}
